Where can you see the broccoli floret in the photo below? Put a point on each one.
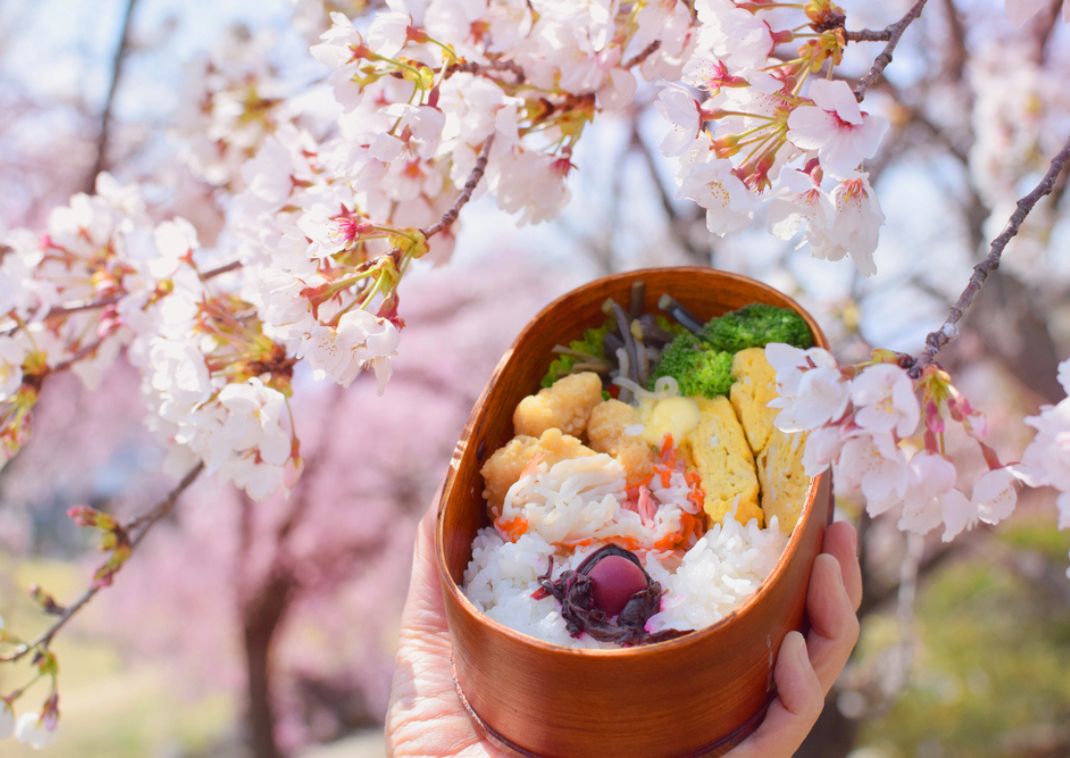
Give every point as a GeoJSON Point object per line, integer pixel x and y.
{"type": "Point", "coordinates": [757, 325]}
{"type": "Point", "coordinates": [697, 367]}
{"type": "Point", "coordinates": [592, 343]}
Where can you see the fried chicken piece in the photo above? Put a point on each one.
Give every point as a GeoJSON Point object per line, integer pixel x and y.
{"type": "Point", "coordinates": [607, 433]}
{"type": "Point", "coordinates": [566, 406]}
{"type": "Point", "coordinates": [607, 425]}
{"type": "Point", "coordinates": [508, 462]}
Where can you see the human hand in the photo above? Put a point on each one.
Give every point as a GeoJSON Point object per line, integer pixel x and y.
{"type": "Point", "coordinates": [807, 668]}
{"type": "Point", "coordinates": [426, 718]}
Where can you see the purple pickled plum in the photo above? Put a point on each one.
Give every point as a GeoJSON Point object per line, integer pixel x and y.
{"type": "Point", "coordinates": [614, 580]}
{"type": "Point", "coordinates": [608, 596]}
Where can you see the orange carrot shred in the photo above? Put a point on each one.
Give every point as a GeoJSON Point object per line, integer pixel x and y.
{"type": "Point", "coordinates": [514, 528]}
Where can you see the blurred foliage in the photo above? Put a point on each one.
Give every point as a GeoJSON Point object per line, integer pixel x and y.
{"type": "Point", "coordinates": [111, 706]}
{"type": "Point", "coordinates": [992, 673]}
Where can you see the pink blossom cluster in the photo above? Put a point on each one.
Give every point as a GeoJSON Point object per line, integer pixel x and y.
{"type": "Point", "coordinates": [783, 135]}
{"type": "Point", "coordinates": [884, 435]}
{"type": "Point", "coordinates": [1020, 116]}
{"type": "Point", "coordinates": [104, 278]}
{"type": "Point", "coordinates": [435, 102]}
{"type": "Point", "coordinates": [432, 101]}
{"type": "Point", "coordinates": [1046, 462]}
{"type": "Point", "coordinates": [37, 729]}
{"type": "Point", "coordinates": [233, 99]}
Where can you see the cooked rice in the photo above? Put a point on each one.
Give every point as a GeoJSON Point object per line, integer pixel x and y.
{"type": "Point", "coordinates": [584, 500]}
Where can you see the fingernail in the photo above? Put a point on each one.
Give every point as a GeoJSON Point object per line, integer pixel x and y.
{"type": "Point", "coordinates": [831, 564]}
{"type": "Point", "coordinates": [797, 648]}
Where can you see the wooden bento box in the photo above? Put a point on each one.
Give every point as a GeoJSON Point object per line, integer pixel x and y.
{"type": "Point", "coordinates": [698, 694]}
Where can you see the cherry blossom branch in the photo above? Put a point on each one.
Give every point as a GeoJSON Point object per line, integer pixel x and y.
{"type": "Point", "coordinates": [642, 55]}
{"type": "Point", "coordinates": [474, 177]}
{"type": "Point", "coordinates": [483, 69]}
{"type": "Point", "coordinates": [142, 524]}
{"type": "Point", "coordinates": [894, 32]}
{"type": "Point", "coordinates": [117, 61]}
{"type": "Point", "coordinates": [220, 270]}
{"type": "Point", "coordinates": [83, 352]}
{"type": "Point", "coordinates": [936, 340]}
{"type": "Point", "coordinates": [91, 305]}
{"type": "Point", "coordinates": [868, 35]}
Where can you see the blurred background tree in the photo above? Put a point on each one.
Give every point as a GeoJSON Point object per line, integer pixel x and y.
{"type": "Point", "coordinates": [268, 628]}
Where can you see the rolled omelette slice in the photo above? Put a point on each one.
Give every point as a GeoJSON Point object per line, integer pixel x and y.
{"type": "Point", "coordinates": [753, 386]}
{"type": "Point", "coordinates": [783, 481]}
{"type": "Point", "coordinates": [719, 449]}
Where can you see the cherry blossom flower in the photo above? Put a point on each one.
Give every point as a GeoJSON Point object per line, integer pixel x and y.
{"type": "Point", "coordinates": [232, 100]}
{"type": "Point", "coordinates": [713, 185]}
{"type": "Point", "coordinates": [800, 205]}
{"type": "Point", "coordinates": [874, 465]}
{"type": "Point", "coordinates": [31, 729]}
{"type": "Point", "coordinates": [1046, 461]}
{"type": "Point", "coordinates": [360, 341]}
{"type": "Point", "coordinates": [531, 184]}
{"type": "Point", "coordinates": [812, 390]}
{"type": "Point", "coordinates": [867, 429]}
{"type": "Point", "coordinates": [12, 354]}
{"type": "Point", "coordinates": [388, 33]}
{"type": "Point", "coordinates": [854, 227]}
{"type": "Point", "coordinates": [822, 397]}
{"type": "Point", "coordinates": [884, 399]}
{"type": "Point", "coordinates": [823, 446]}
{"type": "Point", "coordinates": [930, 493]}
{"type": "Point", "coordinates": [847, 222]}
{"type": "Point", "coordinates": [994, 498]}
{"type": "Point", "coordinates": [683, 113]}
{"type": "Point", "coordinates": [255, 419]}
{"type": "Point", "coordinates": [179, 374]}
{"type": "Point", "coordinates": [740, 38]}
{"type": "Point", "coordinates": [837, 128]}
{"type": "Point", "coordinates": [343, 49]}
{"type": "Point", "coordinates": [330, 228]}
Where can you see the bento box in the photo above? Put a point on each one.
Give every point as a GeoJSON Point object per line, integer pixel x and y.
{"type": "Point", "coordinates": [695, 694]}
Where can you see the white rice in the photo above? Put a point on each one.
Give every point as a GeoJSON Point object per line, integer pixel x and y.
{"type": "Point", "coordinates": [583, 498]}
{"type": "Point", "coordinates": [502, 576]}
{"type": "Point", "coordinates": [723, 569]}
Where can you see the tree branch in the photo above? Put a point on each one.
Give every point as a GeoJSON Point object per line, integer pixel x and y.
{"type": "Point", "coordinates": [936, 340]}
{"type": "Point", "coordinates": [118, 57]}
{"type": "Point", "coordinates": [868, 35]}
{"type": "Point", "coordinates": [142, 524]}
{"type": "Point", "coordinates": [474, 177]}
{"type": "Point", "coordinates": [484, 69]}
{"type": "Point", "coordinates": [220, 270]}
{"type": "Point", "coordinates": [642, 55]}
{"type": "Point", "coordinates": [679, 226]}
{"type": "Point", "coordinates": [104, 302]}
{"type": "Point", "coordinates": [894, 32]}
{"type": "Point", "coordinates": [83, 352]}
{"type": "Point", "coordinates": [955, 63]}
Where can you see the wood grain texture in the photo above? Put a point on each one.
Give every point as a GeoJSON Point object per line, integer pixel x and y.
{"type": "Point", "coordinates": [679, 697]}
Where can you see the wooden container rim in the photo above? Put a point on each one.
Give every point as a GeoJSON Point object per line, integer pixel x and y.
{"type": "Point", "coordinates": [693, 638]}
